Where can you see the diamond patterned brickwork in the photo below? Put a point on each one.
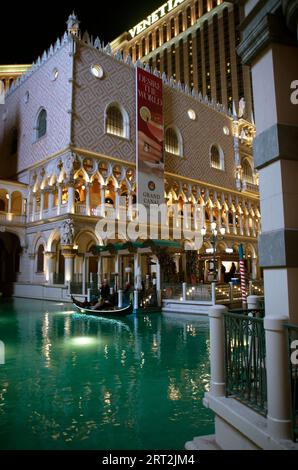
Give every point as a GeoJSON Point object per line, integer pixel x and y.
{"type": "Point", "coordinates": [55, 97]}
{"type": "Point", "coordinates": [92, 96]}
{"type": "Point", "coordinates": [118, 85]}
{"type": "Point", "coordinates": [198, 137]}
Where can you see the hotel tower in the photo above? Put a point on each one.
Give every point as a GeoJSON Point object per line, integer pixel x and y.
{"type": "Point", "coordinates": [194, 42]}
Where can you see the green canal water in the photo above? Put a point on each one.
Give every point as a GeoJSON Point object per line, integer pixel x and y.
{"type": "Point", "coordinates": [75, 382]}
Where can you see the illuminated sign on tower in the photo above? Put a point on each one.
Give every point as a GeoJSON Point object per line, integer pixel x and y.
{"type": "Point", "coordinates": [154, 17]}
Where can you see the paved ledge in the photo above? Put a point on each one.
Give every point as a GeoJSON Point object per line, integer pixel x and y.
{"type": "Point", "coordinates": [203, 443]}
{"type": "Point", "coordinates": [248, 424]}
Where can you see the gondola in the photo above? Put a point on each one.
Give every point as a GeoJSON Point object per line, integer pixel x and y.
{"type": "Point", "coordinates": [109, 312]}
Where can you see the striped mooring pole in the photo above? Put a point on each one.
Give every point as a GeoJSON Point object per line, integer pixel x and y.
{"type": "Point", "coordinates": [242, 276]}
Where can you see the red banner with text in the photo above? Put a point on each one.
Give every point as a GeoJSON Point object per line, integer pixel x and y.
{"type": "Point", "coordinates": [150, 139]}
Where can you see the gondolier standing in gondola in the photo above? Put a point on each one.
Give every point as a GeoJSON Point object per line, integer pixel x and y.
{"type": "Point", "coordinates": [105, 290]}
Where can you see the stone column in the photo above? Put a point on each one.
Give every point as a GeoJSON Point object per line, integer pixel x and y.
{"type": "Point", "coordinates": [196, 217]}
{"type": "Point", "coordinates": [129, 209]}
{"type": "Point", "coordinates": [217, 350]}
{"type": "Point", "coordinates": [275, 62]}
{"type": "Point", "coordinates": [247, 228]}
{"type": "Point", "coordinates": [203, 215]}
{"type": "Point", "coordinates": [51, 201]}
{"type": "Point", "coordinates": [71, 199]}
{"type": "Point", "coordinates": [219, 219]}
{"type": "Point", "coordinates": [234, 223]}
{"type": "Point", "coordinates": [102, 199]}
{"type": "Point", "coordinates": [117, 204]}
{"type": "Point", "coordinates": [253, 229]}
{"type": "Point", "coordinates": [211, 214]}
{"type": "Point", "coordinates": [26, 208]}
{"type": "Point", "coordinates": [278, 380]}
{"type": "Point", "coordinates": [33, 207]}
{"type": "Point", "coordinates": [88, 202]}
{"type": "Point", "coordinates": [84, 275]}
{"type": "Point", "coordinates": [59, 199]}
{"type": "Point", "coordinates": [41, 204]}
{"type": "Point", "coordinates": [31, 257]}
{"type": "Point", "coordinates": [227, 221]}
{"type": "Point", "coordinates": [240, 222]}
{"type": "Point", "coordinates": [254, 268]}
{"type": "Point", "coordinates": [50, 258]}
{"type": "Point", "coordinates": [137, 270]}
{"type": "Point", "coordinates": [9, 203]}
{"type": "Point", "coordinates": [69, 256]}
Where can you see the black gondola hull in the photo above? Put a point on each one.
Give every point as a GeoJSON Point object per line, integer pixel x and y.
{"type": "Point", "coordinates": [116, 312]}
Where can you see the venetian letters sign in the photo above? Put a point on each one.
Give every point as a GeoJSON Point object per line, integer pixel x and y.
{"type": "Point", "coordinates": [155, 16]}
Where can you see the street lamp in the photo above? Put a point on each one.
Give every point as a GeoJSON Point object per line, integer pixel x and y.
{"type": "Point", "coordinates": [216, 236]}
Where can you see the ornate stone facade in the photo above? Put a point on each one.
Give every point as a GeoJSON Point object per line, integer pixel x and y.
{"type": "Point", "coordinates": [77, 169]}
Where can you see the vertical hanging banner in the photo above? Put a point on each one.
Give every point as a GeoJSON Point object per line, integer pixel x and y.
{"type": "Point", "coordinates": [242, 276]}
{"type": "Point", "coordinates": [150, 139]}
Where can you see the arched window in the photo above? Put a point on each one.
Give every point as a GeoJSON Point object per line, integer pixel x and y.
{"type": "Point", "coordinates": [217, 157]}
{"type": "Point", "coordinates": [247, 171]}
{"type": "Point", "coordinates": [41, 124]}
{"type": "Point", "coordinates": [40, 259]}
{"type": "Point", "coordinates": [117, 122]}
{"type": "Point", "coordinates": [173, 142]}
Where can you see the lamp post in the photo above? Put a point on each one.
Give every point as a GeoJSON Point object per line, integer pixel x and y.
{"type": "Point", "coordinates": [216, 235]}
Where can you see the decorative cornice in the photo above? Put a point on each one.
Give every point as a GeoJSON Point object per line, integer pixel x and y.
{"type": "Point", "coordinates": [262, 26]}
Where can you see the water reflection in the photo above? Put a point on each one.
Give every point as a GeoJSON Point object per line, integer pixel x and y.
{"type": "Point", "coordinates": [104, 383]}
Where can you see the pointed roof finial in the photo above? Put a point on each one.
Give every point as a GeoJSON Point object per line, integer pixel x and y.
{"type": "Point", "coordinates": [73, 24]}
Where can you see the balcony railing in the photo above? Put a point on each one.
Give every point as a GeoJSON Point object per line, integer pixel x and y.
{"type": "Point", "coordinates": [250, 187]}
{"type": "Point", "coordinates": [213, 293]}
{"type": "Point", "coordinates": [292, 332]}
{"type": "Point", "coordinates": [245, 359]}
{"type": "Point", "coordinates": [256, 287]}
{"type": "Point", "coordinates": [6, 217]}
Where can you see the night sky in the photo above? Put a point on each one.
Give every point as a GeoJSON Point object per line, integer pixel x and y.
{"type": "Point", "coordinates": [27, 29]}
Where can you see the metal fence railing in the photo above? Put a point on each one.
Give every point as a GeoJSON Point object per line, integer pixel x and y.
{"type": "Point", "coordinates": [292, 333]}
{"type": "Point", "coordinates": [199, 292]}
{"type": "Point", "coordinates": [256, 287]}
{"type": "Point", "coordinates": [172, 291]}
{"type": "Point", "coordinates": [58, 279]}
{"type": "Point", "coordinates": [223, 293]}
{"type": "Point", "coordinates": [214, 293]}
{"type": "Point", "coordinates": [245, 359]}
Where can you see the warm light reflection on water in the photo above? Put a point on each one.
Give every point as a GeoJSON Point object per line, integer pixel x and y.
{"type": "Point", "coordinates": [78, 382]}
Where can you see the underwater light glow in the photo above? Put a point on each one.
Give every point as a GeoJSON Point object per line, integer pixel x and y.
{"type": "Point", "coordinates": [84, 341]}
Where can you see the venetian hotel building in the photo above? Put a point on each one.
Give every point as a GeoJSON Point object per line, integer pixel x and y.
{"type": "Point", "coordinates": [68, 151]}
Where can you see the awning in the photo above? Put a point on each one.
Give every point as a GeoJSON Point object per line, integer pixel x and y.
{"type": "Point", "coordinates": [132, 247]}
{"type": "Point", "coordinates": [220, 256]}
{"type": "Point", "coordinates": [158, 245]}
